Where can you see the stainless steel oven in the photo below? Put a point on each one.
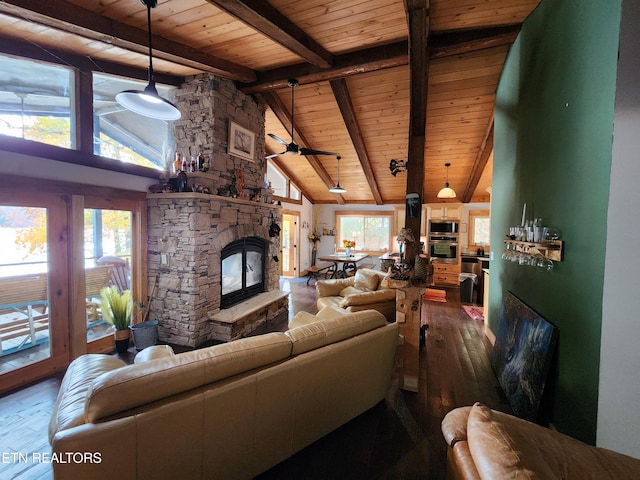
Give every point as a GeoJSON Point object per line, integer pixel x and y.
{"type": "Point", "coordinates": [443, 248]}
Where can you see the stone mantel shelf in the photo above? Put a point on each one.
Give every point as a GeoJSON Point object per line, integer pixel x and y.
{"type": "Point", "coordinates": [209, 196]}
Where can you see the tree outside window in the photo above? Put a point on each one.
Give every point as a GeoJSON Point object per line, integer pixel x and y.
{"type": "Point", "coordinates": [370, 232]}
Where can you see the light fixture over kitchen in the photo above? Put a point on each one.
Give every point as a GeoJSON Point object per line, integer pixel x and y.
{"type": "Point", "coordinates": [447, 192]}
{"type": "Point", "coordinates": [147, 102]}
{"type": "Point", "coordinates": [338, 188]}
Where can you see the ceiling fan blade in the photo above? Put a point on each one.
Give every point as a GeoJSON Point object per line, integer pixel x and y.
{"type": "Point", "coordinates": [278, 139]}
{"type": "Point", "coordinates": [274, 155]}
{"type": "Point", "coordinates": [311, 151]}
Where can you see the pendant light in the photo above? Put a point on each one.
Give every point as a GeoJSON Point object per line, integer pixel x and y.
{"type": "Point", "coordinates": [338, 188]}
{"type": "Point", "coordinates": [147, 102]}
{"type": "Point", "coordinates": [447, 192]}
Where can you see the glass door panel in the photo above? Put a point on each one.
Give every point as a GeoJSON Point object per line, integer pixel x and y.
{"type": "Point", "coordinates": [25, 324]}
{"type": "Point", "coordinates": [288, 245]}
{"type": "Point", "coordinates": [107, 255]}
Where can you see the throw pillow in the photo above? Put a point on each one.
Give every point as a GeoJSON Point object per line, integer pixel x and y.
{"type": "Point", "coordinates": [366, 281]}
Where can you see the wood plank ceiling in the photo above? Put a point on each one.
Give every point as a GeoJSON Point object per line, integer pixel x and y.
{"type": "Point", "coordinates": [351, 58]}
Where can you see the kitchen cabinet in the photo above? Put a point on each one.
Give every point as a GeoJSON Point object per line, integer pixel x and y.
{"type": "Point", "coordinates": [400, 214]}
{"type": "Point", "coordinates": [446, 274]}
{"type": "Point", "coordinates": [451, 211]}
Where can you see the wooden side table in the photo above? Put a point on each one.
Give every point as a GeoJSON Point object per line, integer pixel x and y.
{"type": "Point", "coordinates": [408, 307]}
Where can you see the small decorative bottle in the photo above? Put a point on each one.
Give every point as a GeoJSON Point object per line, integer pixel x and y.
{"type": "Point", "coordinates": [184, 164]}
{"type": "Point", "coordinates": [177, 164]}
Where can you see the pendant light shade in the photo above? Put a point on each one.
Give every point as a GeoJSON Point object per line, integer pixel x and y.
{"type": "Point", "coordinates": [337, 188]}
{"type": "Point", "coordinates": [447, 192]}
{"type": "Point", "coordinates": [147, 102]}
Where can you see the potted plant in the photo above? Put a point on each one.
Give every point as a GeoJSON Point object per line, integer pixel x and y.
{"type": "Point", "coordinates": [117, 308]}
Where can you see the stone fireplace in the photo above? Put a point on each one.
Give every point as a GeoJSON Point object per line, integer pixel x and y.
{"type": "Point", "coordinates": [188, 231]}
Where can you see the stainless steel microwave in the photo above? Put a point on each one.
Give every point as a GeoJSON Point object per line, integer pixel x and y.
{"type": "Point", "coordinates": [449, 227]}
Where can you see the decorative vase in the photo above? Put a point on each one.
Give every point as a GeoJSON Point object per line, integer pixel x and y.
{"type": "Point", "coordinates": [122, 340]}
{"type": "Point", "coordinates": [347, 251]}
{"type": "Point", "coordinates": [314, 253]}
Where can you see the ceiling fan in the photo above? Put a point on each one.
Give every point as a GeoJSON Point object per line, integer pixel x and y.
{"type": "Point", "coordinates": [293, 148]}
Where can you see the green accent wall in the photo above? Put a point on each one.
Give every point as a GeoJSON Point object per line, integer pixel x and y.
{"type": "Point", "coordinates": [553, 141]}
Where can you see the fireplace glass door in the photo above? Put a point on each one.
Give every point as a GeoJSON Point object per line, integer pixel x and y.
{"type": "Point", "coordinates": [242, 270]}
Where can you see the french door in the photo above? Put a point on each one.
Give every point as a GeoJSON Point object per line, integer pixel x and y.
{"type": "Point", "coordinates": [34, 293]}
{"type": "Point", "coordinates": [289, 244]}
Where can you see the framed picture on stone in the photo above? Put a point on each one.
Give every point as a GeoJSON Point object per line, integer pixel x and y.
{"type": "Point", "coordinates": [242, 142]}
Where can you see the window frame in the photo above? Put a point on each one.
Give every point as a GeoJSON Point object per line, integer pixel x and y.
{"type": "Point", "coordinates": [390, 215]}
{"type": "Point", "coordinates": [473, 214]}
{"type": "Point", "coordinates": [82, 125]}
{"type": "Point", "coordinates": [289, 183]}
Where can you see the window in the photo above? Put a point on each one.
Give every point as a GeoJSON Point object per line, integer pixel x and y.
{"type": "Point", "coordinates": [283, 188]}
{"type": "Point", "coordinates": [479, 228]}
{"type": "Point", "coordinates": [36, 101]}
{"type": "Point", "coordinates": [370, 231]}
{"type": "Point", "coordinates": [124, 135]}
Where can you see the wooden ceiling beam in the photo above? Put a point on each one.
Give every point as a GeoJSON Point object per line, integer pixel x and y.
{"type": "Point", "coordinates": [11, 46]}
{"type": "Point", "coordinates": [480, 163]}
{"type": "Point", "coordinates": [384, 56]}
{"type": "Point", "coordinates": [271, 100]}
{"type": "Point", "coordinates": [362, 61]}
{"type": "Point", "coordinates": [446, 44]}
{"type": "Point", "coordinates": [68, 17]}
{"type": "Point", "coordinates": [341, 93]}
{"type": "Point", "coordinates": [270, 22]}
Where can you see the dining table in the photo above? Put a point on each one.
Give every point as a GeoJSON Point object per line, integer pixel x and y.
{"type": "Point", "coordinates": [343, 264]}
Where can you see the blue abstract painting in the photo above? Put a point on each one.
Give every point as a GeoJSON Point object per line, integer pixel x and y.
{"type": "Point", "coordinates": [522, 354]}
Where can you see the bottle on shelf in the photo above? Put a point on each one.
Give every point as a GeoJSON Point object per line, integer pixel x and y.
{"type": "Point", "coordinates": [177, 164]}
{"type": "Point", "coordinates": [184, 164]}
{"type": "Point", "coordinates": [194, 165]}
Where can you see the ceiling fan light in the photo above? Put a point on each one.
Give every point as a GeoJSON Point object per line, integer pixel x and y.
{"type": "Point", "coordinates": [446, 192]}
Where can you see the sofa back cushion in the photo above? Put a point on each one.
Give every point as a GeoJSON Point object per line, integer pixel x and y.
{"type": "Point", "coordinates": [503, 446]}
{"type": "Point", "coordinates": [325, 332]}
{"type": "Point", "coordinates": [142, 383]}
{"type": "Point", "coordinates": [366, 280]}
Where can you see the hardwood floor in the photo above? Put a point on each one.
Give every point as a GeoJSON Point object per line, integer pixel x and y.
{"type": "Point", "coordinates": [397, 439]}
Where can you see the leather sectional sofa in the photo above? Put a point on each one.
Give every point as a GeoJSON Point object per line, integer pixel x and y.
{"type": "Point", "coordinates": [486, 444]}
{"type": "Point", "coordinates": [365, 290]}
{"type": "Point", "coordinates": [233, 410]}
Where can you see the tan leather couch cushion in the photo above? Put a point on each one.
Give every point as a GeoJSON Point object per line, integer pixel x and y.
{"type": "Point", "coordinates": [143, 383]}
{"type": "Point", "coordinates": [366, 280]}
{"type": "Point", "coordinates": [68, 410]}
{"type": "Point", "coordinates": [454, 425]}
{"type": "Point", "coordinates": [503, 446]}
{"type": "Point", "coordinates": [364, 298]}
{"type": "Point", "coordinates": [315, 335]}
{"type": "Point", "coordinates": [303, 318]}
{"type": "Point", "coordinates": [154, 352]}
{"type": "Point", "coordinates": [501, 451]}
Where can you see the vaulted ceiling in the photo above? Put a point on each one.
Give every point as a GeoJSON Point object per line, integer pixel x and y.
{"type": "Point", "coordinates": [413, 80]}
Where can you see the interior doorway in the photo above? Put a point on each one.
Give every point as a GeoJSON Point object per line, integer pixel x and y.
{"type": "Point", "coordinates": [289, 236]}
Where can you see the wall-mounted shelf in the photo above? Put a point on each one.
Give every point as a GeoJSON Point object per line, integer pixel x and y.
{"type": "Point", "coordinates": [552, 249]}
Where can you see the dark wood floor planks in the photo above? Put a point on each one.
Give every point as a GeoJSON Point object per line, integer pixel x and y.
{"type": "Point", "coordinates": [399, 438]}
